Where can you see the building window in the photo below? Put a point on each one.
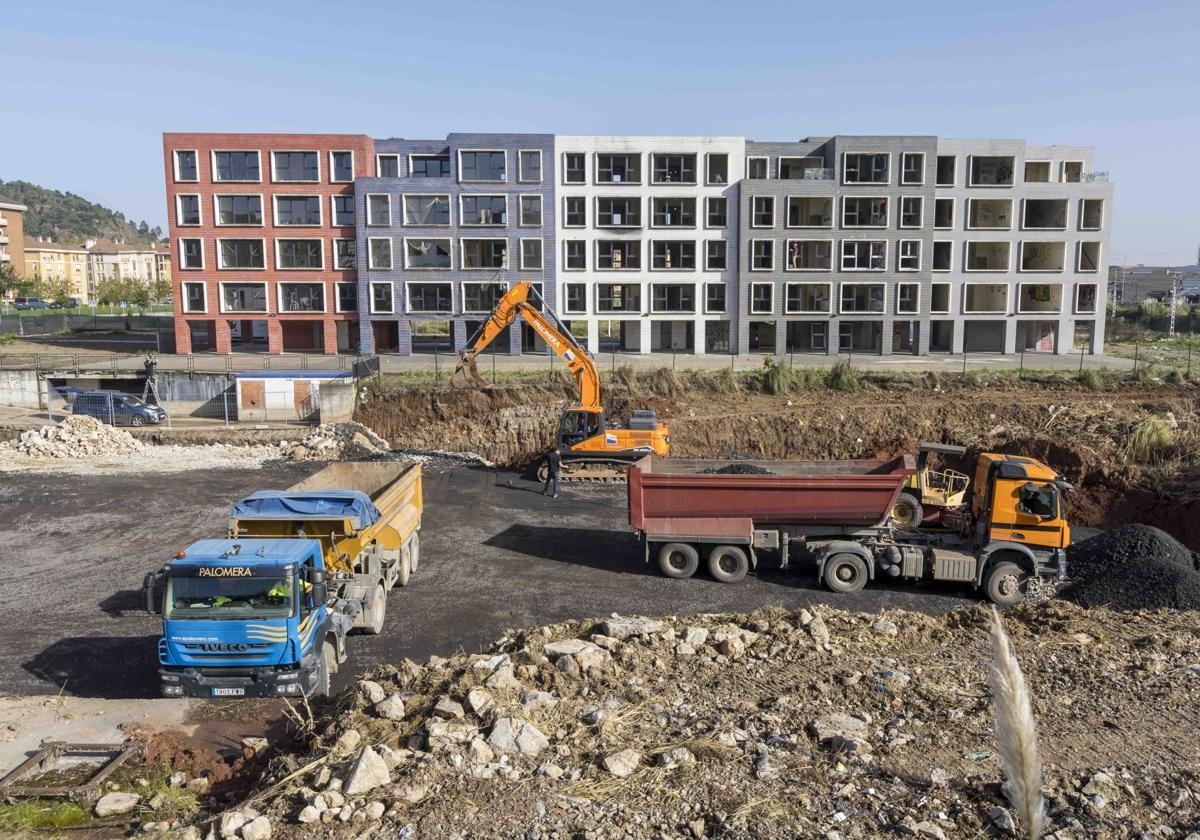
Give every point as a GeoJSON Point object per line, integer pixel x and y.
{"type": "Point", "coordinates": [673, 255]}
{"type": "Point", "coordinates": [187, 210]}
{"type": "Point", "coordinates": [862, 297]}
{"type": "Point", "coordinates": [864, 212]}
{"type": "Point", "coordinates": [912, 168]}
{"type": "Point", "coordinates": [909, 255]}
{"type": "Point", "coordinates": [427, 254]}
{"type": "Point", "coordinates": [575, 298]}
{"type": "Point", "coordinates": [483, 210]}
{"type": "Point", "coordinates": [344, 254]}
{"type": "Point", "coordinates": [762, 254]}
{"type": "Point", "coordinates": [301, 297]}
{"type": "Point", "coordinates": [864, 168]}
{"type": "Point", "coordinates": [574, 254]}
{"type": "Point", "coordinates": [984, 298]}
{"type": "Point", "coordinates": [762, 211]}
{"type": "Point", "coordinates": [942, 255]}
{"type": "Point", "coordinates": [531, 254]}
{"type": "Point", "coordinates": [1039, 297]}
{"type": "Point", "coordinates": [910, 211]}
{"type": "Point", "coordinates": [617, 255]}
{"type": "Point", "coordinates": [674, 212]}
{"type": "Point", "coordinates": [863, 255]}
{"type": "Point", "coordinates": [991, 171]}
{"type": "Point", "coordinates": [300, 254]}
{"type": "Point", "coordinates": [297, 210]}
{"type": "Point", "coordinates": [239, 210]}
{"type": "Point", "coordinates": [343, 211]}
{"type": "Point", "coordinates": [1072, 171]}
{"type": "Point", "coordinates": [717, 212]}
{"type": "Point", "coordinates": [946, 170]}
{"type": "Point", "coordinates": [674, 169]}
{"type": "Point", "coordinates": [714, 297]}
{"type": "Point", "coordinates": [341, 167]}
{"type": "Point", "coordinates": [488, 166]}
{"type": "Point", "coordinates": [939, 298]}
{"type": "Point", "coordinates": [574, 168]}
{"type": "Point", "coordinates": [430, 297]}
{"type": "Point", "coordinates": [485, 253]}
{"type": "Point", "coordinates": [427, 210]}
{"type": "Point", "coordinates": [185, 166]}
{"type": "Point", "coordinates": [291, 167]}
{"type": "Point", "coordinates": [618, 212]}
{"type": "Point", "coordinates": [989, 214]}
{"type": "Point", "coordinates": [482, 297]}
{"type": "Point", "coordinates": [1091, 214]}
{"type": "Point", "coordinates": [807, 298]}
{"type": "Point", "coordinates": [673, 297]}
{"type": "Point", "coordinates": [716, 255]}
{"type": "Point", "coordinates": [802, 169]}
{"type": "Point", "coordinates": [191, 253]}
{"type": "Point", "coordinates": [381, 297]}
{"type": "Point", "coordinates": [618, 297]}
{"type": "Point", "coordinates": [762, 298]}
{"type": "Point", "coordinates": [1043, 256]}
{"type": "Point", "coordinates": [718, 168]}
{"type": "Point", "coordinates": [943, 213]}
{"type": "Point", "coordinates": [347, 296]}
{"type": "Point", "coordinates": [429, 166]}
{"type": "Point", "coordinates": [756, 168]}
{"type": "Point", "coordinates": [379, 253]}
{"type": "Point", "coordinates": [618, 169]}
{"type": "Point", "coordinates": [379, 210]}
{"type": "Point", "coordinates": [1037, 172]}
{"type": "Point", "coordinates": [908, 296]}
{"type": "Point", "coordinates": [195, 297]}
{"type": "Point", "coordinates": [1045, 214]}
{"type": "Point", "coordinates": [530, 166]}
{"type": "Point", "coordinates": [243, 297]}
{"type": "Point", "coordinates": [387, 166]}
{"type": "Point", "coordinates": [1085, 299]}
{"type": "Point", "coordinates": [1089, 257]}
{"type": "Point", "coordinates": [810, 212]}
{"type": "Point", "coordinates": [809, 255]}
{"type": "Point", "coordinates": [575, 211]}
{"type": "Point", "coordinates": [241, 253]}
{"type": "Point", "coordinates": [987, 256]}
{"type": "Point", "coordinates": [236, 166]}
{"type": "Point", "coordinates": [531, 211]}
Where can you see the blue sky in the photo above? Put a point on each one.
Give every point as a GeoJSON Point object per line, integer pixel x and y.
{"type": "Point", "coordinates": [92, 86]}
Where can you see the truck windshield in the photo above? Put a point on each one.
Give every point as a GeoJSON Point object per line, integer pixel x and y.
{"type": "Point", "coordinates": [225, 598]}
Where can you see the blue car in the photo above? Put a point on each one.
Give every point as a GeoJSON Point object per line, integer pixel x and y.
{"type": "Point", "coordinates": [117, 409]}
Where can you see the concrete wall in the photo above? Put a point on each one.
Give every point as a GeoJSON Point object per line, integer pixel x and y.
{"type": "Point", "coordinates": [19, 388]}
{"type": "Point", "coordinates": [337, 401]}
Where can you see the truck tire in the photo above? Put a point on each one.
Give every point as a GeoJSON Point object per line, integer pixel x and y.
{"type": "Point", "coordinates": [678, 560]}
{"type": "Point", "coordinates": [1006, 584]}
{"type": "Point", "coordinates": [845, 573]}
{"type": "Point", "coordinates": [907, 512]}
{"type": "Point", "coordinates": [728, 563]}
{"type": "Point", "coordinates": [325, 668]}
{"type": "Point", "coordinates": [404, 567]}
{"type": "Point", "coordinates": [376, 611]}
{"type": "Point", "coordinates": [414, 552]}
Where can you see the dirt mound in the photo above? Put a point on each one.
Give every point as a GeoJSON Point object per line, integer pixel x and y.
{"type": "Point", "coordinates": [78, 436]}
{"type": "Point", "coordinates": [738, 469]}
{"type": "Point", "coordinates": [1133, 567]}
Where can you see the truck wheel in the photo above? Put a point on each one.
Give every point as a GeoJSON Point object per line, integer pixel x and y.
{"type": "Point", "coordinates": [414, 552]}
{"type": "Point", "coordinates": [907, 512]}
{"type": "Point", "coordinates": [728, 563]}
{"type": "Point", "coordinates": [376, 612]}
{"type": "Point", "coordinates": [1006, 584]}
{"type": "Point", "coordinates": [678, 560]}
{"type": "Point", "coordinates": [404, 567]}
{"type": "Point", "coordinates": [845, 573]}
{"type": "Point", "coordinates": [325, 669]}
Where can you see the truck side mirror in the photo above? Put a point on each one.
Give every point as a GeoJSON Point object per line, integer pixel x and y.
{"type": "Point", "coordinates": [148, 586]}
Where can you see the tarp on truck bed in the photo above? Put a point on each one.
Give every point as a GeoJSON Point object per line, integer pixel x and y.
{"type": "Point", "coordinates": [322, 504]}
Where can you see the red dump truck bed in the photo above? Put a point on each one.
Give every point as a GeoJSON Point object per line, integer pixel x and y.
{"type": "Point", "coordinates": [678, 499]}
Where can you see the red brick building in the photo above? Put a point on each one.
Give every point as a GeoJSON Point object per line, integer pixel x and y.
{"type": "Point", "coordinates": [263, 240]}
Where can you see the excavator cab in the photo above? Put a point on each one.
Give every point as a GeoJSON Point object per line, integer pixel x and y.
{"type": "Point", "coordinates": [578, 425]}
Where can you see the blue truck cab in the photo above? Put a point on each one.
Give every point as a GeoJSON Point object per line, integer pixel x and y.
{"type": "Point", "coordinates": [246, 618]}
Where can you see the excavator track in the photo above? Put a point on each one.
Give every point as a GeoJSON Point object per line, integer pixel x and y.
{"type": "Point", "coordinates": [590, 470]}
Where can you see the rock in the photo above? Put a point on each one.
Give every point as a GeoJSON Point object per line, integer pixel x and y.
{"type": "Point", "coordinates": [731, 647]}
{"type": "Point", "coordinates": [412, 794]}
{"type": "Point", "coordinates": [1101, 784]}
{"type": "Point", "coordinates": [156, 802]}
{"type": "Point", "coordinates": [938, 777]}
{"type": "Point", "coordinates": [371, 691]}
{"type": "Point", "coordinates": [177, 779]}
{"type": "Point", "coordinates": [448, 709]}
{"type": "Point", "coordinates": [443, 735]}
{"type": "Point", "coordinates": [537, 700]}
{"type": "Point", "coordinates": [513, 735]}
{"type": "Point", "coordinates": [1003, 820]}
{"type": "Point", "coordinates": [624, 628]}
{"type": "Point", "coordinates": [886, 628]}
{"type": "Point", "coordinates": [366, 773]}
{"type": "Point", "coordinates": [390, 707]}
{"type": "Point", "coordinates": [566, 647]}
{"type": "Point", "coordinates": [925, 828]}
{"type": "Point", "coordinates": [818, 630]}
{"type": "Point", "coordinates": [309, 814]}
{"type": "Point", "coordinates": [348, 741]}
{"type": "Point", "coordinates": [254, 746]}
{"type": "Point", "coordinates": [479, 701]}
{"type": "Point", "coordinates": [503, 679]}
{"type": "Point", "coordinates": [198, 785]}
{"type": "Point", "coordinates": [374, 810]}
{"type": "Point", "coordinates": [116, 803]}
{"type": "Point", "coordinates": [695, 636]}
{"type": "Point", "coordinates": [678, 757]}
{"type": "Point", "coordinates": [623, 763]}
{"type": "Point", "coordinates": [766, 768]}
{"type": "Point", "coordinates": [552, 771]}
{"type": "Point", "coordinates": [230, 822]}
{"type": "Point", "coordinates": [478, 752]}
{"type": "Point", "coordinates": [840, 732]}
{"type": "Point", "coordinates": [257, 829]}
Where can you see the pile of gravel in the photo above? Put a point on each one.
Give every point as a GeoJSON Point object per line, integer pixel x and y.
{"type": "Point", "coordinates": [738, 469]}
{"type": "Point", "coordinates": [1134, 567]}
{"type": "Point", "coordinates": [78, 436]}
{"type": "Point", "coordinates": [336, 441]}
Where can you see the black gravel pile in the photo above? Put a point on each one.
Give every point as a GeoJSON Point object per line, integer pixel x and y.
{"type": "Point", "coordinates": [1135, 567]}
{"type": "Point", "coordinates": [738, 469]}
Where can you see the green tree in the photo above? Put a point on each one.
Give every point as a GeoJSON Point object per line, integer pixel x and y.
{"type": "Point", "coordinates": [10, 283]}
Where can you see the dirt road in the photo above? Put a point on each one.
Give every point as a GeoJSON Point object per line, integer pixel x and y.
{"type": "Point", "coordinates": [495, 554]}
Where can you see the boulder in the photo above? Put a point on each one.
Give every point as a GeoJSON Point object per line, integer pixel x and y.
{"type": "Point", "coordinates": [116, 803]}
{"type": "Point", "coordinates": [390, 707]}
{"type": "Point", "coordinates": [623, 763]}
{"type": "Point", "coordinates": [367, 772]}
{"type": "Point", "coordinates": [840, 732]}
{"type": "Point", "coordinates": [448, 709]}
{"type": "Point", "coordinates": [257, 829]}
{"type": "Point", "coordinates": [624, 628]}
{"type": "Point", "coordinates": [371, 691]}
{"type": "Point", "coordinates": [513, 735]}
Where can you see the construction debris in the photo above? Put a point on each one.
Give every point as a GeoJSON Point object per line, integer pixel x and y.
{"type": "Point", "coordinates": [79, 436]}
{"type": "Point", "coordinates": [336, 442]}
{"type": "Point", "coordinates": [738, 469]}
{"type": "Point", "coordinates": [1134, 567]}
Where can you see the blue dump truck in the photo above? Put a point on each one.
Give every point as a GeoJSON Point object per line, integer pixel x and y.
{"type": "Point", "coordinates": [266, 610]}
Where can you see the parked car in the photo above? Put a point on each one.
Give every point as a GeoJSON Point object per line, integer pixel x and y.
{"type": "Point", "coordinates": [30, 303]}
{"type": "Point", "coordinates": [117, 409]}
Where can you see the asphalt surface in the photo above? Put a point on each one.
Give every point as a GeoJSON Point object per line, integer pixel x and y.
{"type": "Point", "coordinates": [495, 554]}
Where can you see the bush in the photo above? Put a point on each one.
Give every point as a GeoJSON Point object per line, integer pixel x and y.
{"type": "Point", "coordinates": [1089, 379]}
{"type": "Point", "coordinates": [1149, 442]}
{"type": "Point", "coordinates": [722, 381]}
{"type": "Point", "coordinates": [843, 377]}
{"type": "Point", "coordinates": [1175, 377]}
{"type": "Point", "coordinates": [775, 377]}
{"type": "Point", "coordinates": [1143, 376]}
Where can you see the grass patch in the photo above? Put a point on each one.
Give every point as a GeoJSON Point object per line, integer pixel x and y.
{"type": "Point", "coordinates": [1089, 379]}
{"type": "Point", "coordinates": [1149, 442]}
{"type": "Point", "coordinates": [843, 377]}
{"type": "Point", "coordinates": [172, 801]}
{"type": "Point", "coordinates": [31, 814]}
{"type": "Point", "coordinates": [775, 377]}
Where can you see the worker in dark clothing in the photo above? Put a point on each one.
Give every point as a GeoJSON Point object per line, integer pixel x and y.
{"type": "Point", "coordinates": [553, 471]}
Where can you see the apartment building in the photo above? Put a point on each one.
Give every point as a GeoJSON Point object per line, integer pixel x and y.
{"type": "Point", "coordinates": [12, 235]}
{"type": "Point", "coordinates": [445, 227]}
{"type": "Point", "coordinates": [262, 228]}
{"type": "Point", "coordinates": [46, 259]}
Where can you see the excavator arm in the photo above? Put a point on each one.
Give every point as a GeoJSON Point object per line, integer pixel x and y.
{"type": "Point", "coordinates": [546, 324]}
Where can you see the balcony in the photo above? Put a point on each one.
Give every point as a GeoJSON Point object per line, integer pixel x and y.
{"type": "Point", "coordinates": [822, 174]}
{"type": "Point", "coordinates": [1093, 178]}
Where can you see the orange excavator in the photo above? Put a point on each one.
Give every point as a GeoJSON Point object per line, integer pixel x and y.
{"type": "Point", "coordinates": [592, 446]}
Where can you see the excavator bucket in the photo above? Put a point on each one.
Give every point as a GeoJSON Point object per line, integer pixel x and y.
{"type": "Point", "coordinates": [466, 373]}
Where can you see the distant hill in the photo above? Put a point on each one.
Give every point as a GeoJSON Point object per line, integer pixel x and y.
{"type": "Point", "coordinates": [71, 218]}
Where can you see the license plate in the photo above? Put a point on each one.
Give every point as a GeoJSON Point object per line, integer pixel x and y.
{"type": "Point", "coordinates": [228, 692]}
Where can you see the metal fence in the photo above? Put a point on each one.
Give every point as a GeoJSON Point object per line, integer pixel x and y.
{"type": "Point", "coordinates": [53, 322]}
{"type": "Point", "coordinates": [190, 363]}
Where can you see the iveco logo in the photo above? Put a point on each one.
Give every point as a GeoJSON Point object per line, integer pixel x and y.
{"type": "Point", "coordinates": [227, 648]}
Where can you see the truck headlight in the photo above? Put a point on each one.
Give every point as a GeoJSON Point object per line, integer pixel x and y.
{"type": "Point", "coordinates": [172, 690]}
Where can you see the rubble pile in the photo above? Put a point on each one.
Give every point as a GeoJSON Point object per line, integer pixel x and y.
{"type": "Point", "coordinates": [1134, 567]}
{"type": "Point", "coordinates": [738, 469]}
{"type": "Point", "coordinates": [78, 436]}
{"type": "Point", "coordinates": [334, 442]}
{"type": "Point", "coordinates": [812, 723]}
